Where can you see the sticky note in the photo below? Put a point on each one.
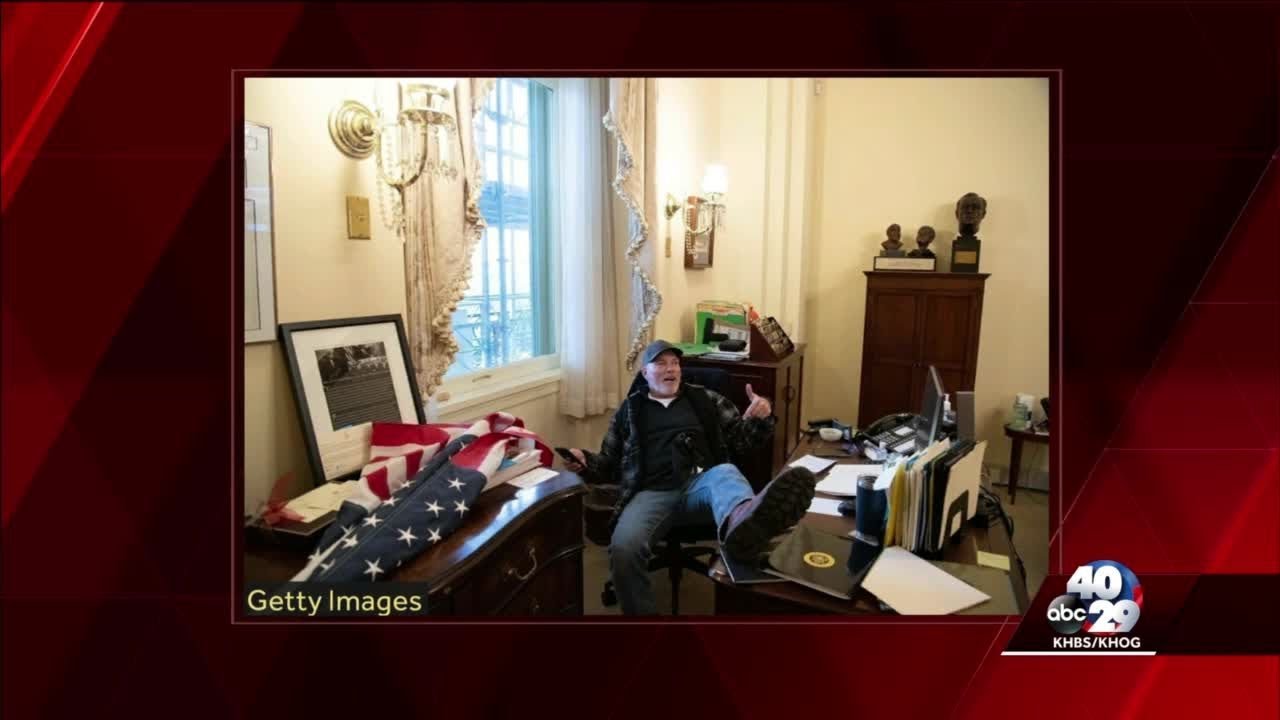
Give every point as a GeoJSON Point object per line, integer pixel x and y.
{"type": "Point", "coordinates": [999, 562]}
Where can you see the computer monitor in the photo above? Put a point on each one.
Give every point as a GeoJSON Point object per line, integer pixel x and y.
{"type": "Point", "coordinates": [930, 421]}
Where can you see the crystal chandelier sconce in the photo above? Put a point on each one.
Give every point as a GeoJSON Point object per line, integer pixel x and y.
{"type": "Point", "coordinates": [415, 138]}
{"type": "Point", "coordinates": [715, 183]}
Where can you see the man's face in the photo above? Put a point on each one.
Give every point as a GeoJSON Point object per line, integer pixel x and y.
{"type": "Point", "coordinates": [663, 374]}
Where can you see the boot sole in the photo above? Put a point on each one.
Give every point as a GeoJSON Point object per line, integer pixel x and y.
{"type": "Point", "coordinates": [786, 500]}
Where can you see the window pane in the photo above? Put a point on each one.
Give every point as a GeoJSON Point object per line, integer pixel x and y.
{"type": "Point", "coordinates": [505, 315]}
{"type": "Point", "coordinates": [491, 167]}
{"type": "Point", "coordinates": [520, 102]}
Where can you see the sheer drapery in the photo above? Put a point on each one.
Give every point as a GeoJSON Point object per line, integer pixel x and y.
{"type": "Point", "coordinates": [627, 121]}
{"type": "Point", "coordinates": [443, 225]}
{"type": "Point", "coordinates": [589, 357]}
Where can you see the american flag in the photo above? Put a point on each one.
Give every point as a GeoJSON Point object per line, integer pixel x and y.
{"type": "Point", "coordinates": [416, 489]}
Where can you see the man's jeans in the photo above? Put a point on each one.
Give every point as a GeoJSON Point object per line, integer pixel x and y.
{"type": "Point", "coordinates": [709, 496]}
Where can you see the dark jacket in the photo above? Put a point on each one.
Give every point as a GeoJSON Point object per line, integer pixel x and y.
{"type": "Point", "coordinates": [620, 459]}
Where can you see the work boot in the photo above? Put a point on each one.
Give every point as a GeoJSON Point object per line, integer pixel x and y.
{"type": "Point", "coordinates": [781, 504]}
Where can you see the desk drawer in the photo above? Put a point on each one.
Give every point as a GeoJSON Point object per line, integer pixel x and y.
{"type": "Point", "coordinates": [522, 559]}
{"type": "Point", "coordinates": [554, 590]}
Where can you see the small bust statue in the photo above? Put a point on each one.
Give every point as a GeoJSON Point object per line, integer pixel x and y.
{"type": "Point", "coordinates": [971, 208]}
{"type": "Point", "coordinates": [893, 244]}
{"type": "Point", "coordinates": [924, 236]}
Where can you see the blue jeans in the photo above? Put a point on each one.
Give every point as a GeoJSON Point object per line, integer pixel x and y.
{"type": "Point", "coordinates": [709, 496]}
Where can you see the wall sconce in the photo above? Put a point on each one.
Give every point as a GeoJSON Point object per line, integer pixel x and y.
{"type": "Point", "coordinates": [702, 214]}
{"type": "Point", "coordinates": [715, 183]}
{"type": "Point", "coordinates": [416, 139]}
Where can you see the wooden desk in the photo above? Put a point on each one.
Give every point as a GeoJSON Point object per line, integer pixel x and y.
{"type": "Point", "coordinates": [790, 598]}
{"type": "Point", "coordinates": [520, 553]}
{"type": "Point", "coordinates": [1015, 453]}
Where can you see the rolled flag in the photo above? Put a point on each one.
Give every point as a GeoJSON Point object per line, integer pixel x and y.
{"type": "Point", "coordinates": [417, 517]}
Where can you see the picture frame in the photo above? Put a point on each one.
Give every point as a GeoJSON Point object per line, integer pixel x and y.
{"type": "Point", "coordinates": [347, 374]}
{"type": "Point", "coordinates": [258, 236]}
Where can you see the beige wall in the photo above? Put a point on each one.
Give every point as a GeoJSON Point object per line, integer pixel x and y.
{"type": "Point", "coordinates": [904, 150]}
{"type": "Point", "coordinates": [758, 128]}
{"type": "Point", "coordinates": [815, 178]}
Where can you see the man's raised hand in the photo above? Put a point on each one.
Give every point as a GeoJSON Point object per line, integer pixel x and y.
{"type": "Point", "coordinates": [758, 407]}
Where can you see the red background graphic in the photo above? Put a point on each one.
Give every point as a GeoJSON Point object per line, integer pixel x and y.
{"type": "Point", "coordinates": [120, 348]}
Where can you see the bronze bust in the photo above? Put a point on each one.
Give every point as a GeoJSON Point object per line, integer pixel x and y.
{"type": "Point", "coordinates": [971, 208]}
{"type": "Point", "coordinates": [924, 236]}
{"type": "Point", "coordinates": [966, 249]}
{"type": "Point", "coordinates": [893, 244]}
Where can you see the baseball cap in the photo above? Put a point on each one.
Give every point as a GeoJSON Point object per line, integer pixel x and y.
{"type": "Point", "coordinates": [656, 348]}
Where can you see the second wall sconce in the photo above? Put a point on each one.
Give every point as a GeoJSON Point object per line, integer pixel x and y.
{"type": "Point", "coordinates": [702, 214]}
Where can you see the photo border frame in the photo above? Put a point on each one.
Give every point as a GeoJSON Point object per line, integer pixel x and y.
{"type": "Point", "coordinates": [287, 331]}
{"type": "Point", "coordinates": [265, 280]}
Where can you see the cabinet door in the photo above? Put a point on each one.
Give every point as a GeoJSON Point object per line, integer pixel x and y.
{"type": "Point", "coordinates": [793, 416]}
{"type": "Point", "coordinates": [890, 359]}
{"type": "Point", "coordinates": [949, 324]}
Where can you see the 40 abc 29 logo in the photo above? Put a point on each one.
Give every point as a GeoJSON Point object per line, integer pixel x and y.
{"type": "Point", "coordinates": [1104, 598]}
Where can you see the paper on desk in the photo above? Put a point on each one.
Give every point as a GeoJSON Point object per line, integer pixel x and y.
{"type": "Point", "coordinates": [533, 477]}
{"type": "Point", "coordinates": [327, 498]}
{"type": "Point", "coordinates": [825, 506]}
{"type": "Point", "coordinates": [913, 586]}
{"type": "Point", "coordinates": [815, 464]}
{"type": "Point", "coordinates": [999, 562]}
{"type": "Point", "coordinates": [843, 479]}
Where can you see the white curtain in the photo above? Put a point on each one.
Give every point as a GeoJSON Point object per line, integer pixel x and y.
{"type": "Point", "coordinates": [589, 357]}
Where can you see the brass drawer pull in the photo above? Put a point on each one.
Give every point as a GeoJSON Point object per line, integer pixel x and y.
{"type": "Point", "coordinates": [525, 576]}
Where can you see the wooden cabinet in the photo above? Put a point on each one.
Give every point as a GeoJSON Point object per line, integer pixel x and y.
{"type": "Point", "coordinates": [782, 381]}
{"type": "Point", "coordinates": [915, 320]}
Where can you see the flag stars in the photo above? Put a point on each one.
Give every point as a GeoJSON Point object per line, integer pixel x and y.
{"type": "Point", "coordinates": [434, 537]}
{"type": "Point", "coordinates": [460, 507]}
{"type": "Point", "coordinates": [372, 521]}
{"type": "Point", "coordinates": [373, 570]}
{"type": "Point", "coordinates": [407, 536]}
{"type": "Point", "coordinates": [391, 501]}
{"type": "Point", "coordinates": [350, 541]}
{"type": "Point", "coordinates": [324, 566]}
{"type": "Point", "coordinates": [455, 483]}
{"type": "Point", "coordinates": [433, 507]}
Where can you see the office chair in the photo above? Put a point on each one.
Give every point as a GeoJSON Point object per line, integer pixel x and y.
{"type": "Point", "coordinates": [683, 547]}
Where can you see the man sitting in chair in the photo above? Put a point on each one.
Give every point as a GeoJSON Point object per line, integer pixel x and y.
{"type": "Point", "coordinates": [668, 446]}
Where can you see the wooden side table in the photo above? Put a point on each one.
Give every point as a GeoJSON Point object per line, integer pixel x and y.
{"type": "Point", "coordinates": [1015, 453]}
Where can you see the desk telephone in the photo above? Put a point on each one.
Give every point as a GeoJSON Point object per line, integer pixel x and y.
{"type": "Point", "coordinates": [891, 434]}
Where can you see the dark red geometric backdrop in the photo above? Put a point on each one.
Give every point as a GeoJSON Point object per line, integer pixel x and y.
{"type": "Point", "coordinates": [120, 349]}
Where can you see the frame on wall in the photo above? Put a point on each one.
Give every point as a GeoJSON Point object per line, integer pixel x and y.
{"type": "Point", "coordinates": [347, 374]}
{"type": "Point", "coordinates": [259, 236]}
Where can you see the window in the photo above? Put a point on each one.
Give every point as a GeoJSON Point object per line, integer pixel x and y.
{"type": "Point", "coordinates": [507, 314]}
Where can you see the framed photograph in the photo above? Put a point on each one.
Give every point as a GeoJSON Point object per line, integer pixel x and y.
{"type": "Point", "coordinates": [347, 374]}
{"type": "Point", "coordinates": [259, 237]}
